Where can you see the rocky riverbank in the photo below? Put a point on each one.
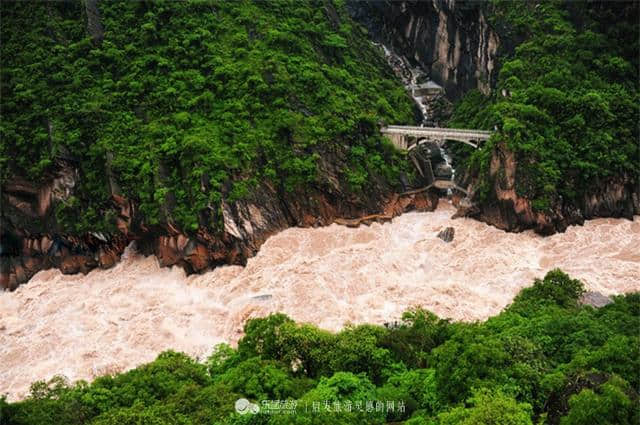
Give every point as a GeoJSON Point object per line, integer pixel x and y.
{"type": "Point", "coordinates": [30, 242]}
{"type": "Point", "coordinates": [112, 320]}
{"type": "Point", "coordinates": [507, 210]}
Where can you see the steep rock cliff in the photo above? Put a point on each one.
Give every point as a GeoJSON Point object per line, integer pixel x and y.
{"type": "Point", "coordinates": [451, 40]}
{"type": "Point", "coordinates": [194, 129]}
{"type": "Point", "coordinates": [30, 242]}
{"type": "Point", "coordinates": [508, 210]}
{"type": "Point", "coordinates": [565, 147]}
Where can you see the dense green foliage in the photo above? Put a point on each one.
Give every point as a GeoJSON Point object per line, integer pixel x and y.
{"type": "Point", "coordinates": [572, 93]}
{"type": "Point", "coordinates": [545, 360]}
{"type": "Point", "coordinates": [189, 103]}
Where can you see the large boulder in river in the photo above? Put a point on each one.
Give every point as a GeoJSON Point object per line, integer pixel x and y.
{"type": "Point", "coordinates": [447, 234]}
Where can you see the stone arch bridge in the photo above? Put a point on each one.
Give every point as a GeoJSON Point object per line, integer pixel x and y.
{"type": "Point", "coordinates": [404, 137]}
{"type": "Point", "coordinates": [419, 142]}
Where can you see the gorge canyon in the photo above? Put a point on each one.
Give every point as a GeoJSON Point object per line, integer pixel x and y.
{"type": "Point", "coordinates": [179, 175]}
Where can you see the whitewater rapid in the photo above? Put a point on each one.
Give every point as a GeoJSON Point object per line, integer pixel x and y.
{"type": "Point", "coordinates": [113, 320]}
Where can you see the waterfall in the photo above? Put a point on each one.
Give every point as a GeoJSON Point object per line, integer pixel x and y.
{"type": "Point", "coordinates": [417, 83]}
{"type": "Point", "coordinates": [410, 76]}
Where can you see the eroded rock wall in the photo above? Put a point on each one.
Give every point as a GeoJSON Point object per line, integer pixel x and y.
{"type": "Point", "coordinates": [506, 209]}
{"type": "Point", "coordinates": [450, 39]}
{"type": "Point", "coordinates": [30, 241]}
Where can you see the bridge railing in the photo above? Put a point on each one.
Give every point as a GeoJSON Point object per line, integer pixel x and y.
{"type": "Point", "coordinates": [435, 131]}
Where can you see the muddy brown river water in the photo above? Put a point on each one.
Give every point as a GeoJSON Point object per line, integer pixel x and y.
{"type": "Point", "coordinates": [113, 320]}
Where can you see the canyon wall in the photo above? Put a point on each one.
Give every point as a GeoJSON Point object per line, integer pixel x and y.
{"type": "Point", "coordinates": [451, 40]}
{"type": "Point", "coordinates": [454, 44]}
{"type": "Point", "coordinates": [31, 241]}
{"type": "Point", "coordinates": [506, 209]}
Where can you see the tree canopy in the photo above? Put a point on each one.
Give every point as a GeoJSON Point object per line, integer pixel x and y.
{"type": "Point", "coordinates": [546, 359]}
{"type": "Point", "coordinates": [184, 104]}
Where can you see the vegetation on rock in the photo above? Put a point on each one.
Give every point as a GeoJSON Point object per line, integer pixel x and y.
{"type": "Point", "coordinates": [566, 101]}
{"type": "Point", "coordinates": [184, 104]}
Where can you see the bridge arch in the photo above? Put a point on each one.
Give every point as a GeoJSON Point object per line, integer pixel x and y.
{"type": "Point", "coordinates": [408, 138]}
{"type": "Point", "coordinates": [400, 135]}
{"type": "Point", "coordinates": [473, 143]}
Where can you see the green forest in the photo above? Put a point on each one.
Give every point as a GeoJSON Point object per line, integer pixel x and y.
{"type": "Point", "coordinates": [545, 359]}
{"type": "Point", "coordinates": [185, 104]}
{"type": "Point", "coordinates": [188, 103]}
{"type": "Point", "coordinates": [567, 99]}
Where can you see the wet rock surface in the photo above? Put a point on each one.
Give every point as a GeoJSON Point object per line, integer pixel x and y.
{"type": "Point", "coordinates": [30, 241]}
{"type": "Point", "coordinates": [595, 299]}
{"type": "Point", "coordinates": [447, 234]}
{"type": "Point", "coordinates": [451, 40]}
{"type": "Point", "coordinates": [616, 197]}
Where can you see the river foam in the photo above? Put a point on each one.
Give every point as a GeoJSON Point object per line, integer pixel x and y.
{"type": "Point", "coordinates": [113, 320]}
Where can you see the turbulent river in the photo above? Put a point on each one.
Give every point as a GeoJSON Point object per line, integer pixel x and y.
{"type": "Point", "coordinates": [112, 320]}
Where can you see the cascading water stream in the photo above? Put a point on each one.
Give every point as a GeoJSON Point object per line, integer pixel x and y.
{"type": "Point", "coordinates": [409, 77]}
{"type": "Point", "coordinates": [414, 79]}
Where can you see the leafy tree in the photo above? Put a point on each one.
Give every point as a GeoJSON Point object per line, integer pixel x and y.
{"type": "Point", "coordinates": [609, 404]}
{"type": "Point", "coordinates": [258, 379]}
{"type": "Point", "coordinates": [415, 336]}
{"type": "Point", "coordinates": [556, 287]}
{"type": "Point", "coordinates": [341, 387]}
{"type": "Point", "coordinates": [489, 409]}
{"type": "Point", "coordinates": [261, 337]}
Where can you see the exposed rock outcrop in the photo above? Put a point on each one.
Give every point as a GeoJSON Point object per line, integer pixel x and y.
{"type": "Point", "coordinates": [506, 209]}
{"type": "Point", "coordinates": [449, 39]}
{"type": "Point", "coordinates": [595, 299]}
{"type": "Point", "coordinates": [94, 21]}
{"type": "Point", "coordinates": [30, 241]}
{"type": "Point", "coordinates": [447, 234]}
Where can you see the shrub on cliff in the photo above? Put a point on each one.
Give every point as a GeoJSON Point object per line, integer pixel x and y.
{"type": "Point", "coordinates": [184, 104]}
{"type": "Point", "coordinates": [566, 101]}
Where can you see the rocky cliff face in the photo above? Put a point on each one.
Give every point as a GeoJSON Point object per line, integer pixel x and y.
{"type": "Point", "coordinates": [450, 39]}
{"type": "Point", "coordinates": [30, 242]}
{"type": "Point", "coordinates": [506, 209]}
